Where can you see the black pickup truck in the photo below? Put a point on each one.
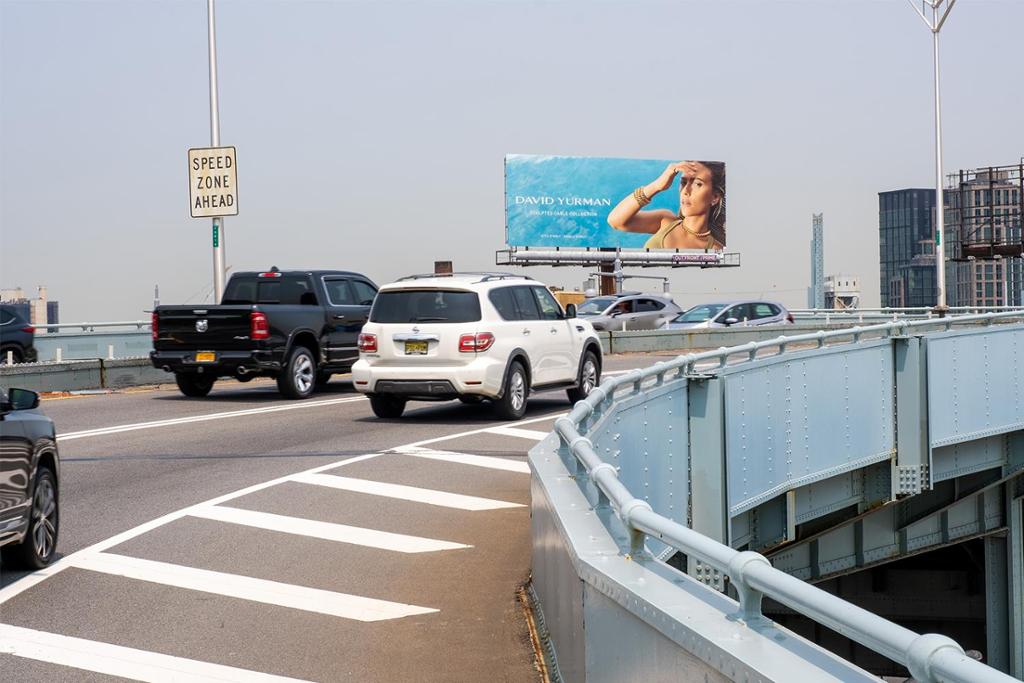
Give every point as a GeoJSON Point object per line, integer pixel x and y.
{"type": "Point", "coordinates": [297, 326]}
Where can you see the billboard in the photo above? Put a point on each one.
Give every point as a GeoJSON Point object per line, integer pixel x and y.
{"type": "Point", "coordinates": [593, 202]}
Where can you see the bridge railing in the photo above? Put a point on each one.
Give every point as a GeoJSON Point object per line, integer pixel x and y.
{"type": "Point", "coordinates": [929, 657]}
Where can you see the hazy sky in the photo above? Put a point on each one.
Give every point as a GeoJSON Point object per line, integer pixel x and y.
{"type": "Point", "coordinates": [371, 135]}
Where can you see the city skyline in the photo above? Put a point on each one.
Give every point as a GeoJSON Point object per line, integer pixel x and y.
{"type": "Point", "coordinates": [371, 136]}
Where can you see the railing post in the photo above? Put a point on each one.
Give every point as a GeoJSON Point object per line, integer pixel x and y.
{"type": "Point", "coordinates": [750, 598]}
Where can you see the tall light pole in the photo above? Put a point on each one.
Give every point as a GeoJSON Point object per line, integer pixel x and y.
{"type": "Point", "coordinates": [934, 23]}
{"type": "Point", "coordinates": [218, 223]}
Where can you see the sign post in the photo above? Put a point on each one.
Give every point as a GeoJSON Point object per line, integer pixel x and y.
{"type": "Point", "coordinates": [218, 223]}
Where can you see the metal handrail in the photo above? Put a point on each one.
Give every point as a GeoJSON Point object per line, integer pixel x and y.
{"type": "Point", "coordinates": [929, 657]}
{"type": "Point", "coordinates": [89, 327]}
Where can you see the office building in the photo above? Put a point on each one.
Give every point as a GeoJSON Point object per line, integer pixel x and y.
{"type": "Point", "coordinates": [983, 237]}
{"type": "Point", "coordinates": [906, 246]}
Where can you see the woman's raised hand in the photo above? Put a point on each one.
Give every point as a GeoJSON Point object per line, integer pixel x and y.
{"type": "Point", "coordinates": [668, 175]}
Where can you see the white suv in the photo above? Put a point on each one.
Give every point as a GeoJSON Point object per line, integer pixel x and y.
{"type": "Point", "coordinates": [473, 337]}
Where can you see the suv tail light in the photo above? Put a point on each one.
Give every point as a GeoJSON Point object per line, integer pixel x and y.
{"type": "Point", "coordinates": [368, 343]}
{"type": "Point", "coordinates": [154, 324]}
{"type": "Point", "coordinates": [789, 317]}
{"type": "Point", "coordinates": [29, 329]}
{"type": "Point", "coordinates": [258, 326]}
{"type": "Point", "coordinates": [472, 343]}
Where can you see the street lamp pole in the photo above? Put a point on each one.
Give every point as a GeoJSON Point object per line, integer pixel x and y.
{"type": "Point", "coordinates": [218, 223]}
{"type": "Point", "coordinates": [935, 25]}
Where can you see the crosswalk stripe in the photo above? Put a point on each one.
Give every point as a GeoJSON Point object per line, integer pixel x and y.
{"type": "Point", "coordinates": [418, 495]}
{"type": "Point", "coordinates": [117, 429]}
{"type": "Point", "coordinates": [467, 459]}
{"type": "Point", "coordinates": [248, 588]}
{"type": "Point", "coordinates": [521, 433]}
{"type": "Point", "coordinates": [329, 531]}
{"type": "Point", "coordinates": [115, 660]}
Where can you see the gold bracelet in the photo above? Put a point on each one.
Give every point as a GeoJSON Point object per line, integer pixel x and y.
{"type": "Point", "coordinates": [641, 197]}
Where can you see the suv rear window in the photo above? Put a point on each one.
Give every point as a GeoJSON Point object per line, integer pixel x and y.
{"type": "Point", "coordinates": [425, 306]}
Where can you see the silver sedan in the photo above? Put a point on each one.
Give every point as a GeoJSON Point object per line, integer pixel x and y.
{"type": "Point", "coordinates": [628, 311]}
{"type": "Point", "coordinates": [731, 313]}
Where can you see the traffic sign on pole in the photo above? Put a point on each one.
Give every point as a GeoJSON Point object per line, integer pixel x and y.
{"type": "Point", "coordinates": [212, 181]}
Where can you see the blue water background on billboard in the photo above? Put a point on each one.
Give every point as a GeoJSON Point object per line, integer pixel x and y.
{"type": "Point", "coordinates": [558, 183]}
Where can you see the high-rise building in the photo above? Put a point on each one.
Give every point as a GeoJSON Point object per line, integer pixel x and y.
{"type": "Point", "coordinates": [816, 292]}
{"type": "Point", "coordinates": [906, 248]}
{"type": "Point", "coordinates": [984, 208]}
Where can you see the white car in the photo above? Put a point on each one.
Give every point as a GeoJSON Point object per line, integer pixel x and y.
{"type": "Point", "coordinates": [472, 337]}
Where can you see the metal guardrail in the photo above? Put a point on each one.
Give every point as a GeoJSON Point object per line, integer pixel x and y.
{"type": "Point", "coordinates": [91, 327]}
{"type": "Point", "coordinates": [929, 657]}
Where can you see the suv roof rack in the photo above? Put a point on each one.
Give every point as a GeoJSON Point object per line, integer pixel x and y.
{"type": "Point", "coordinates": [484, 276]}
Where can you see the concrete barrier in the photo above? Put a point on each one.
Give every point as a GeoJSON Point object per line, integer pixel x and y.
{"type": "Point", "coordinates": [654, 341]}
{"type": "Point", "coordinates": [77, 375]}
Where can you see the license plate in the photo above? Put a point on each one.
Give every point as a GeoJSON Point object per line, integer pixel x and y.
{"type": "Point", "coordinates": [415, 348]}
{"type": "Point", "coordinates": [206, 357]}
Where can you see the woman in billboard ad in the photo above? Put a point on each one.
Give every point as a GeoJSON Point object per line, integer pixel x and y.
{"type": "Point", "coordinates": [700, 223]}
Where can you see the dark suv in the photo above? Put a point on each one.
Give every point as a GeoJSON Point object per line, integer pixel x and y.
{"type": "Point", "coordinates": [17, 336]}
{"type": "Point", "coordinates": [29, 471]}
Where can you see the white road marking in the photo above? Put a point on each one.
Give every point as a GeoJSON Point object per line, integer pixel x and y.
{"type": "Point", "coordinates": [532, 434]}
{"type": "Point", "coordinates": [103, 431]}
{"type": "Point", "coordinates": [328, 531]}
{"type": "Point", "coordinates": [115, 660]}
{"type": "Point", "coordinates": [23, 584]}
{"type": "Point", "coordinates": [247, 588]}
{"type": "Point", "coordinates": [467, 459]}
{"type": "Point", "coordinates": [417, 495]}
{"type": "Point", "coordinates": [480, 431]}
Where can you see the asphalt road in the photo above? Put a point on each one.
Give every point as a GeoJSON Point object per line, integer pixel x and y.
{"type": "Point", "coordinates": [244, 536]}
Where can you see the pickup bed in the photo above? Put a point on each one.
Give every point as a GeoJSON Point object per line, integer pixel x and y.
{"type": "Point", "coordinates": [297, 326]}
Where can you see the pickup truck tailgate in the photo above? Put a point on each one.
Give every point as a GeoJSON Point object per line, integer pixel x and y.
{"type": "Point", "coordinates": [213, 327]}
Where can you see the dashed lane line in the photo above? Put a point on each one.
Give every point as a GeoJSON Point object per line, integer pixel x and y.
{"type": "Point", "coordinates": [124, 662]}
{"type": "Point", "coordinates": [103, 431]}
{"type": "Point", "coordinates": [276, 593]}
{"type": "Point", "coordinates": [467, 459]}
{"type": "Point", "coordinates": [411, 493]}
{"type": "Point", "coordinates": [328, 531]}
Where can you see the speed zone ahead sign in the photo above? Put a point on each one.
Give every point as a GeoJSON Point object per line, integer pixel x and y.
{"type": "Point", "coordinates": [213, 190]}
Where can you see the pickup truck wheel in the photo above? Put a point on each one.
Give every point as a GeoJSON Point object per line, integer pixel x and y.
{"type": "Point", "coordinates": [387, 406]}
{"type": "Point", "coordinates": [590, 377]}
{"type": "Point", "coordinates": [195, 386]}
{"type": "Point", "coordinates": [298, 376]}
{"type": "Point", "coordinates": [512, 404]}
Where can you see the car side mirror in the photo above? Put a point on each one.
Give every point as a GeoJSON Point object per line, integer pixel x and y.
{"type": "Point", "coordinates": [22, 399]}
{"type": "Point", "coordinates": [730, 321]}
{"type": "Point", "coordinates": [570, 310]}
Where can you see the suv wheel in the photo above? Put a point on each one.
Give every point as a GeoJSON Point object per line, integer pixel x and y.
{"type": "Point", "coordinates": [192, 385]}
{"type": "Point", "coordinates": [590, 377]}
{"type": "Point", "coordinates": [387, 406]}
{"type": "Point", "coordinates": [298, 376]}
{"type": "Point", "coordinates": [512, 404]}
{"type": "Point", "coordinates": [39, 546]}
{"type": "Point", "coordinates": [16, 356]}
